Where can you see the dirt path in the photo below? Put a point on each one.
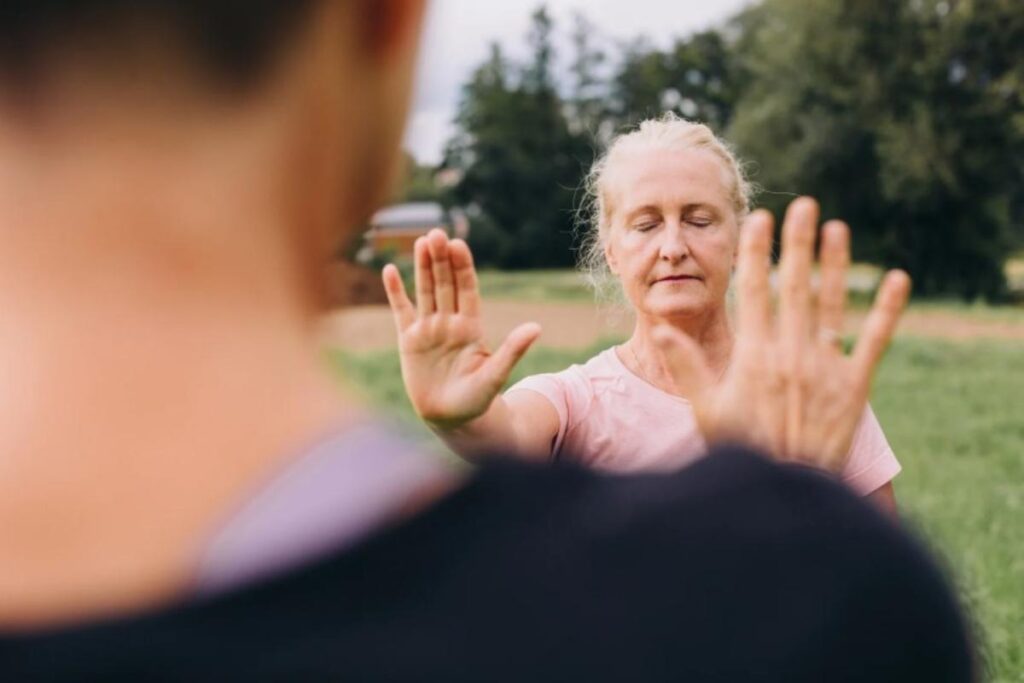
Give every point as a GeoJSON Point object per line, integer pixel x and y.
{"type": "Point", "coordinates": [579, 324]}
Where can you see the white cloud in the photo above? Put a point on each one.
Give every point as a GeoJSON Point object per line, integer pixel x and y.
{"type": "Point", "coordinates": [427, 131]}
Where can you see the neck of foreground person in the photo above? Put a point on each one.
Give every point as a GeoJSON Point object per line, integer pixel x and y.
{"type": "Point", "coordinates": [159, 357]}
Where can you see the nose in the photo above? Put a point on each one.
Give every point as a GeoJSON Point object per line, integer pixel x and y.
{"type": "Point", "coordinates": [673, 246]}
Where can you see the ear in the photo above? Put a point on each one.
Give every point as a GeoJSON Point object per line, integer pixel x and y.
{"type": "Point", "coordinates": [381, 60]}
{"type": "Point", "coordinates": [736, 246]}
{"type": "Point", "coordinates": [609, 258]}
{"type": "Point", "coordinates": [391, 26]}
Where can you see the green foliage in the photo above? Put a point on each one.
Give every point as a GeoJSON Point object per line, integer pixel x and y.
{"type": "Point", "coordinates": [952, 415]}
{"type": "Point", "coordinates": [416, 183]}
{"type": "Point", "coordinates": [697, 77]}
{"type": "Point", "coordinates": [586, 104]}
{"type": "Point", "coordinates": [906, 119]}
{"type": "Point", "coordinates": [520, 162]}
{"type": "Point", "coordinates": [899, 119]}
{"type": "Point", "coordinates": [535, 285]}
{"type": "Point", "coordinates": [491, 245]}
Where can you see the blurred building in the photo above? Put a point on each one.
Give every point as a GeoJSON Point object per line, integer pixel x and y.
{"type": "Point", "coordinates": [394, 229]}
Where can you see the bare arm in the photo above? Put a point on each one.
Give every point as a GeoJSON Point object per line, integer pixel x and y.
{"type": "Point", "coordinates": [452, 379]}
{"type": "Point", "coordinates": [885, 498]}
{"type": "Point", "coordinates": [522, 423]}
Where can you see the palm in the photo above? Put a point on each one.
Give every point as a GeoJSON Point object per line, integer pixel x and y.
{"type": "Point", "coordinates": [789, 388]}
{"type": "Point", "coordinates": [442, 367]}
{"type": "Point", "coordinates": [450, 375]}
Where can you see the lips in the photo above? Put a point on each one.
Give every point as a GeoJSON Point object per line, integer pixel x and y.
{"type": "Point", "coordinates": [677, 278]}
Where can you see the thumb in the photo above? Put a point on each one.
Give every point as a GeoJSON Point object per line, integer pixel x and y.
{"type": "Point", "coordinates": [684, 361]}
{"type": "Point", "coordinates": [500, 364]}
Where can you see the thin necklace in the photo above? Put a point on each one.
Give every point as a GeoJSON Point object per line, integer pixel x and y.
{"type": "Point", "coordinates": [639, 366]}
{"type": "Point", "coordinates": [643, 374]}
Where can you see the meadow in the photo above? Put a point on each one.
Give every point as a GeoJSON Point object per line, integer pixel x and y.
{"type": "Point", "coordinates": [954, 414]}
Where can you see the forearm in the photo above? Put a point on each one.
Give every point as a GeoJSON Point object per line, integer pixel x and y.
{"type": "Point", "coordinates": [499, 430]}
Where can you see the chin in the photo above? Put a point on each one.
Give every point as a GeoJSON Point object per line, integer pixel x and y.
{"type": "Point", "coordinates": [677, 307]}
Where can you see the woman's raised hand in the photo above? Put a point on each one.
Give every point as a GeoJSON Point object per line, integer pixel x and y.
{"type": "Point", "coordinates": [449, 374]}
{"type": "Point", "coordinates": [789, 388]}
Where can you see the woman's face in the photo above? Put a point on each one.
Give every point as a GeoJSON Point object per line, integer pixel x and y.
{"type": "Point", "coordinates": [673, 232]}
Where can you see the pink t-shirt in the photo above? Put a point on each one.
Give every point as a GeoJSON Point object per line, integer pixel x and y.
{"type": "Point", "coordinates": [611, 419]}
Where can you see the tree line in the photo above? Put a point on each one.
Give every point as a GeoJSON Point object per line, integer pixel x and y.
{"type": "Point", "coordinates": [904, 117]}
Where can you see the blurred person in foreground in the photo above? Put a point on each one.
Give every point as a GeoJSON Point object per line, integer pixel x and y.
{"type": "Point", "coordinates": [184, 495]}
{"type": "Point", "coordinates": [666, 200]}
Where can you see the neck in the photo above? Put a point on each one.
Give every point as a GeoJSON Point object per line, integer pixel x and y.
{"type": "Point", "coordinates": [158, 355]}
{"type": "Point", "coordinates": [711, 331]}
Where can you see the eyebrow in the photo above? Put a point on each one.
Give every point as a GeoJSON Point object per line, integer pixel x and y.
{"type": "Point", "coordinates": [687, 208]}
{"type": "Point", "coordinates": [701, 205]}
{"type": "Point", "coordinates": [646, 208]}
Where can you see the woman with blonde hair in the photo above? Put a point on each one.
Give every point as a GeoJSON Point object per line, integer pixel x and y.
{"type": "Point", "coordinates": [667, 204]}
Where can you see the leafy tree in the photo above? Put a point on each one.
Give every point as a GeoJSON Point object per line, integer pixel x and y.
{"type": "Point", "coordinates": [520, 162]}
{"type": "Point", "coordinates": [697, 78]}
{"type": "Point", "coordinates": [906, 119]}
{"type": "Point", "coordinates": [987, 49]}
{"type": "Point", "coordinates": [872, 106]}
{"type": "Point", "coordinates": [586, 100]}
{"type": "Point", "coordinates": [637, 84]}
{"type": "Point", "coordinates": [416, 183]}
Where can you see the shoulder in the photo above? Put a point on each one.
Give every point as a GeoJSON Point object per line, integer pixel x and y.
{"type": "Point", "coordinates": [731, 569]}
{"type": "Point", "coordinates": [731, 488]}
{"type": "Point", "coordinates": [712, 552]}
{"type": "Point", "coordinates": [732, 554]}
{"type": "Point", "coordinates": [599, 366]}
{"type": "Point", "coordinates": [871, 463]}
{"type": "Point", "coordinates": [571, 390]}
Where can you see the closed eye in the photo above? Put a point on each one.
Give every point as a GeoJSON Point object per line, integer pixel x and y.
{"type": "Point", "coordinates": [646, 227]}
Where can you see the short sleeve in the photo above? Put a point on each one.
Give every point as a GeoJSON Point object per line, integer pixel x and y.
{"type": "Point", "coordinates": [568, 391]}
{"type": "Point", "coordinates": [872, 464]}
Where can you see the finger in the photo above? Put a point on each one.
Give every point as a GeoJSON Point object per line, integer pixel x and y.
{"type": "Point", "coordinates": [835, 261]}
{"type": "Point", "coordinates": [880, 325]}
{"type": "Point", "coordinates": [754, 302]}
{"type": "Point", "coordinates": [794, 305]}
{"type": "Point", "coordinates": [424, 279]}
{"type": "Point", "coordinates": [683, 360]}
{"type": "Point", "coordinates": [444, 282]}
{"type": "Point", "coordinates": [467, 290]}
{"type": "Point", "coordinates": [798, 230]}
{"type": "Point", "coordinates": [500, 364]}
{"type": "Point", "coordinates": [401, 307]}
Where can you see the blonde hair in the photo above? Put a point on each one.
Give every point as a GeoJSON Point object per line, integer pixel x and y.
{"type": "Point", "coordinates": [667, 132]}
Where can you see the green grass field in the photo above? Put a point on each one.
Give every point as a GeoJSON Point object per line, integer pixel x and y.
{"type": "Point", "coordinates": [569, 285]}
{"type": "Point", "coordinates": [953, 413]}
{"type": "Point", "coordinates": [534, 285]}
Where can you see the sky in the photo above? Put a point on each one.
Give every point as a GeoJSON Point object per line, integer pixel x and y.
{"type": "Point", "coordinates": [458, 33]}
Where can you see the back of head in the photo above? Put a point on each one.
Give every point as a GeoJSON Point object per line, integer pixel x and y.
{"type": "Point", "coordinates": [174, 176]}
{"type": "Point", "coordinates": [195, 60]}
{"type": "Point", "coordinates": [232, 42]}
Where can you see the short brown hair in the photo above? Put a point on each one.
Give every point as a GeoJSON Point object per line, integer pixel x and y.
{"type": "Point", "coordinates": [234, 41]}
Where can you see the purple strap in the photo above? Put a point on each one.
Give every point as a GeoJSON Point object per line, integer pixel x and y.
{"type": "Point", "coordinates": [336, 494]}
